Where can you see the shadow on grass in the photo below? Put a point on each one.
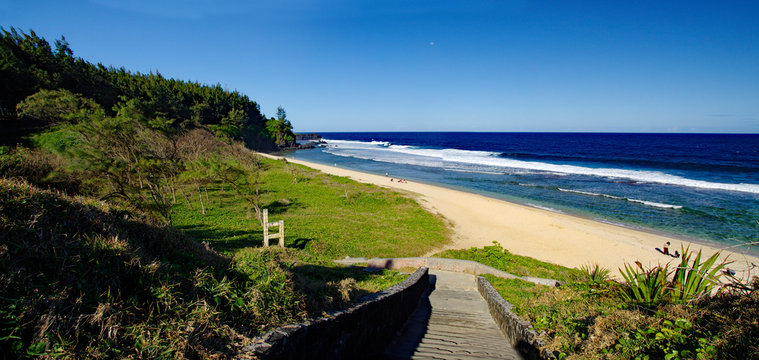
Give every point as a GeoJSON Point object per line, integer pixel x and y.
{"type": "Point", "coordinates": [281, 206]}
{"type": "Point", "coordinates": [334, 274]}
{"type": "Point", "coordinates": [300, 243]}
{"type": "Point", "coordinates": [224, 240]}
{"type": "Point", "coordinates": [325, 287]}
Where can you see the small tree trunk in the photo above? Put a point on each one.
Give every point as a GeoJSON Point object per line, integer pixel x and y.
{"type": "Point", "coordinates": [173, 195]}
{"type": "Point", "coordinates": [258, 213]}
{"type": "Point", "coordinates": [202, 207]}
{"type": "Point", "coordinates": [188, 201]}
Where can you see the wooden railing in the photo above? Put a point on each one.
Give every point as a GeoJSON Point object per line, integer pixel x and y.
{"type": "Point", "coordinates": [266, 225]}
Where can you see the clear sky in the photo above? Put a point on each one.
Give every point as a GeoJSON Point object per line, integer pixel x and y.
{"type": "Point", "coordinates": [373, 65]}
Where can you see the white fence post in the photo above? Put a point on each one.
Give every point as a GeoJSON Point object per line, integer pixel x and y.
{"type": "Point", "coordinates": [265, 223]}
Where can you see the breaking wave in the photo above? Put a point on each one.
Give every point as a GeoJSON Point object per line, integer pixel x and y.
{"type": "Point", "coordinates": [644, 202]}
{"type": "Point", "coordinates": [492, 162]}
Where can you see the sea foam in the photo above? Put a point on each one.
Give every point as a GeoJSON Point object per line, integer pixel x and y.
{"type": "Point", "coordinates": [644, 202]}
{"type": "Point", "coordinates": [463, 160]}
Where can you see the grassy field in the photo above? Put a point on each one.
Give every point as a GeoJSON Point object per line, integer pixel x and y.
{"type": "Point", "coordinates": [329, 217]}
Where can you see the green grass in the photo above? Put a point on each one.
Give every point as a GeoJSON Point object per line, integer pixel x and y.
{"type": "Point", "coordinates": [587, 318]}
{"type": "Point", "coordinates": [501, 259]}
{"type": "Point", "coordinates": [319, 217]}
{"type": "Point", "coordinates": [517, 292]}
{"type": "Point", "coordinates": [133, 288]}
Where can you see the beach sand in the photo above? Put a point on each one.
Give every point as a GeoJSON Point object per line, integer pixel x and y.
{"type": "Point", "coordinates": [557, 238]}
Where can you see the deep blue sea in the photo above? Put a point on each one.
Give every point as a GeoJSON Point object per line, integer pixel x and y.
{"type": "Point", "coordinates": [704, 187]}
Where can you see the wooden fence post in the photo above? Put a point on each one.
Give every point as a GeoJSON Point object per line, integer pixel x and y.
{"type": "Point", "coordinates": [265, 223]}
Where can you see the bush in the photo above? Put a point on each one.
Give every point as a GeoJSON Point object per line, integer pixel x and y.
{"type": "Point", "coordinates": [696, 280]}
{"type": "Point", "coordinates": [690, 281]}
{"type": "Point", "coordinates": [645, 287]}
{"type": "Point", "coordinates": [593, 274]}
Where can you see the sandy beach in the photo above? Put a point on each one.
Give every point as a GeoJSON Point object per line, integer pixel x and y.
{"type": "Point", "coordinates": [544, 235]}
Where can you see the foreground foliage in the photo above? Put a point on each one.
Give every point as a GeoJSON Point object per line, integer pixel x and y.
{"type": "Point", "coordinates": [81, 278]}
{"type": "Point", "coordinates": [651, 316]}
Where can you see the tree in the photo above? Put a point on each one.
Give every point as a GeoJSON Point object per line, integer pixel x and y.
{"type": "Point", "coordinates": [280, 129]}
{"type": "Point", "coordinates": [58, 106]}
{"type": "Point", "coordinates": [231, 124]}
{"type": "Point", "coordinates": [134, 163]}
{"type": "Point", "coordinates": [62, 49]}
{"type": "Point", "coordinates": [239, 170]}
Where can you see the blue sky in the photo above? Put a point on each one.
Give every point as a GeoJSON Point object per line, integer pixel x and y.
{"type": "Point", "coordinates": [644, 66]}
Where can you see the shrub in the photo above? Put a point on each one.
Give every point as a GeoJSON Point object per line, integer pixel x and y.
{"type": "Point", "coordinates": [593, 274]}
{"type": "Point", "coordinates": [41, 168]}
{"type": "Point", "coordinates": [645, 287]}
{"type": "Point", "coordinates": [693, 281]}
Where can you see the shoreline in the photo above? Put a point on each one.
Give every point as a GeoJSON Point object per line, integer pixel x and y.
{"type": "Point", "coordinates": [477, 220]}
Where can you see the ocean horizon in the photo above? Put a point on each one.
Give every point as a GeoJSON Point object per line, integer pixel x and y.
{"type": "Point", "coordinates": [699, 187]}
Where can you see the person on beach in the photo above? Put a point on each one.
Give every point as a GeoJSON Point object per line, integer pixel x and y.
{"type": "Point", "coordinates": [665, 248]}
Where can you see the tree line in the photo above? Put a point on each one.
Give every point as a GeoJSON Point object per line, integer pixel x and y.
{"type": "Point", "coordinates": [37, 80]}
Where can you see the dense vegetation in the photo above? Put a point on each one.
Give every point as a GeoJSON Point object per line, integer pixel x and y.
{"type": "Point", "coordinates": [54, 78]}
{"type": "Point", "coordinates": [593, 317]}
{"type": "Point", "coordinates": [130, 218]}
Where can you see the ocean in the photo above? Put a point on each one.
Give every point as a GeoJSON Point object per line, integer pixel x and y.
{"type": "Point", "coordinates": [701, 187]}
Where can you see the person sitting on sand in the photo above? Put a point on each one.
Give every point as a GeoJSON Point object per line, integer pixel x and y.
{"type": "Point", "coordinates": [665, 248]}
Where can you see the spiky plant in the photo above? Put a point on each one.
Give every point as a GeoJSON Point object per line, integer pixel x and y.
{"type": "Point", "coordinates": [692, 281]}
{"type": "Point", "coordinates": [594, 273]}
{"type": "Point", "coordinates": [645, 287]}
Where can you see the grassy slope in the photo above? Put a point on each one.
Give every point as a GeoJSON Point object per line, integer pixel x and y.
{"type": "Point", "coordinates": [83, 279]}
{"type": "Point", "coordinates": [79, 278]}
{"type": "Point", "coordinates": [327, 216]}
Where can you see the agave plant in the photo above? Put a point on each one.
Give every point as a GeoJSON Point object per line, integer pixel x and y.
{"type": "Point", "coordinates": [645, 287]}
{"type": "Point", "coordinates": [594, 273]}
{"type": "Point", "coordinates": [692, 281]}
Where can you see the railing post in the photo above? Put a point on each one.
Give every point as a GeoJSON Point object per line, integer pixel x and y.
{"type": "Point", "coordinates": [266, 224]}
